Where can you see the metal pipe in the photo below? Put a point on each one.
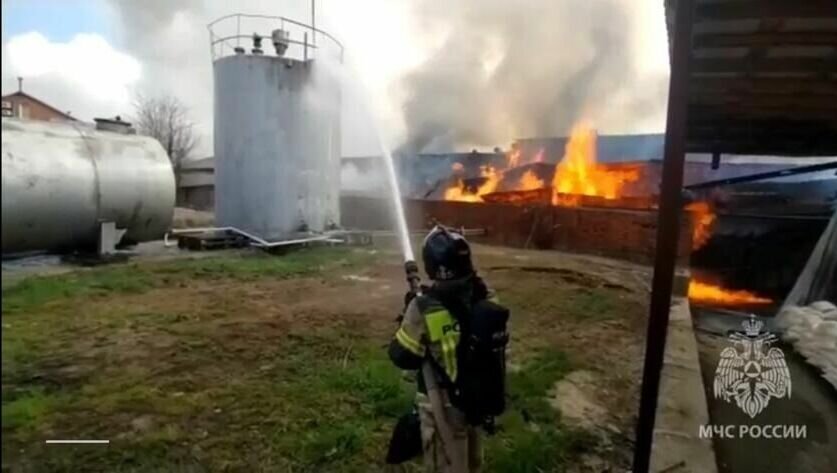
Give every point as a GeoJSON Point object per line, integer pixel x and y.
{"type": "Point", "coordinates": [668, 227]}
{"type": "Point", "coordinates": [259, 242]}
{"type": "Point", "coordinates": [274, 244]}
{"type": "Point", "coordinates": [464, 232]}
{"type": "Point", "coordinates": [765, 175]}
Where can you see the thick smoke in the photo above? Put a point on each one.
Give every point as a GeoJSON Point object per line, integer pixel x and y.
{"type": "Point", "coordinates": [496, 70]}
{"type": "Point", "coordinates": [171, 40]}
{"type": "Point", "coordinates": [508, 70]}
{"type": "Point", "coordinates": [355, 179]}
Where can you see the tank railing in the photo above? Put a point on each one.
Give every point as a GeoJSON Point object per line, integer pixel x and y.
{"type": "Point", "coordinates": [216, 40]}
{"type": "Point", "coordinates": [305, 44]}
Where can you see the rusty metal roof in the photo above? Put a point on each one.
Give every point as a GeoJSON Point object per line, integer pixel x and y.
{"type": "Point", "coordinates": [763, 77]}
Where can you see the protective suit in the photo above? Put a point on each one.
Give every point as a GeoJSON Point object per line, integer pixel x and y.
{"type": "Point", "coordinates": [427, 341]}
{"type": "Point", "coordinates": [434, 330]}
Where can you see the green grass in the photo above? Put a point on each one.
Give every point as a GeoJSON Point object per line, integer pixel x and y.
{"type": "Point", "coordinates": [36, 291]}
{"type": "Point", "coordinates": [138, 278]}
{"type": "Point", "coordinates": [206, 391]}
{"type": "Point", "coordinates": [27, 408]}
{"type": "Point", "coordinates": [531, 438]}
{"type": "Point", "coordinates": [569, 301]}
{"type": "Point", "coordinates": [594, 303]}
{"type": "Point", "coordinates": [529, 386]}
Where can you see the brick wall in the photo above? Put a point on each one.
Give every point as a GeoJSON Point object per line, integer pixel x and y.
{"type": "Point", "coordinates": [26, 108]}
{"type": "Point", "coordinates": [198, 197]}
{"type": "Point", "coordinates": [623, 234]}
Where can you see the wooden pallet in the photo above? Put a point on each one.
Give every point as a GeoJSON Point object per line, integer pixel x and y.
{"type": "Point", "coordinates": [211, 241]}
{"type": "Point", "coordinates": [355, 237]}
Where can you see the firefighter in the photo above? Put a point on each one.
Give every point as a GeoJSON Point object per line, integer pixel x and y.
{"type": "Point", "coordinates": [427, 341]}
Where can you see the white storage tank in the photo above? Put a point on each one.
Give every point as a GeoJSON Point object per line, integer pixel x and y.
{"type": "Point", "coordinates": [62, 180]}
{"type": "Point", "coordinates": [277, 137]}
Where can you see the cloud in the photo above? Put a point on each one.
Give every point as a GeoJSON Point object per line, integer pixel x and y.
{"type": "Point", "coordinates": [85, 75]}
{"type": "Point", "coordinates": [396, 50]}
{"type": "Point", "coordinates": [171, 39]}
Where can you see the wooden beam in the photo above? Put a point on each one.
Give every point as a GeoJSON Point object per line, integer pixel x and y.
{"type": "Point", "coordinates": [725, 130]}
{"type": "Point", "coordinates": [762, 135]}
{"type": "Point", "coordinates": [776, 148]}
{"type": "Point", "coordinates": [766, 25]}
{"type": "Point", "coordinates": [743, 10]}
{"type": "Point", "coordinates": [762, 39]}
{"type": "Point", "coordinates": [719, 137]}
{"type": "Point", "coordinates": [762, 127]}
{"type": "Point", "coordinates": [764, 85]}
{"type": "Point", "coordinates": [785, 64]}
{"type": "Point", "coordinates": [743, 113]}
{"type": "Point", "coordinates": [723, 117]}
{"type": "Point", "coordinates": [790, 101]}
{"type": "Point", "coordinates": [704, 127]}
{"type": "Point", "coordinates": [788, 171]}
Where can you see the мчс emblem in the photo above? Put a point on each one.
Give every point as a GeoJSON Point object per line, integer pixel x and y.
{"type": "Point", "coordinates": [751, 371]}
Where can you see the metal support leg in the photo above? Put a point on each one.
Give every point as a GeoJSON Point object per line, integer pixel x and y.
{"type": "Point", "coordinates": [668, 226]}
{"type": "Point", "coordinates": [109, 237]}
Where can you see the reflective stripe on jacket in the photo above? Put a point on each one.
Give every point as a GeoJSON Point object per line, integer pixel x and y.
{"type": "Point", "coordinates": [427, 325]}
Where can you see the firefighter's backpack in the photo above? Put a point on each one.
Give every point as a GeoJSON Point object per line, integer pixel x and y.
{"type": "Point", "coordinates": [480, 387]}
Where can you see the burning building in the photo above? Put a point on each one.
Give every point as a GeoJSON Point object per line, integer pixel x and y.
{"type": "Point", "coordinates": [599, 194]}
{"type": "Point", "coordinates": [576, 176]}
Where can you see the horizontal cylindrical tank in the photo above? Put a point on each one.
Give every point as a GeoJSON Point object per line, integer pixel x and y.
{"type": "Point", "coordinates": [277, 145]}
{"type": "Point", "coordinates": [61, 180]}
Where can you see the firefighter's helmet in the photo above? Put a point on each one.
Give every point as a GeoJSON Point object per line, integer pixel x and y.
{"type": "Point", "coordinates": [446, 255]}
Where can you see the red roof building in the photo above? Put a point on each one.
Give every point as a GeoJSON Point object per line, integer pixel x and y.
{"type": "Point", "coordinates": [22, 105]}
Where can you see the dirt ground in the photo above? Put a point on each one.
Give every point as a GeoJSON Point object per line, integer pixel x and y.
{"type": "Point", "coordinates": [246, 362]}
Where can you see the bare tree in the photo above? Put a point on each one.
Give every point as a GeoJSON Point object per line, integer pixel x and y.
{"type": "Point", "coordinates": [166, 119]}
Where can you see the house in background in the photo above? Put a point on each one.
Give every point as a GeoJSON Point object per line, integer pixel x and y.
{"type": "Point", "coordinates": [196, 186]}
{"type": "Point", "coordinates": [22, 105]}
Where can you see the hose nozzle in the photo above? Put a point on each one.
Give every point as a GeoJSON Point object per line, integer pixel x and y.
{"type": "Point", "coordinates": [413, 277]}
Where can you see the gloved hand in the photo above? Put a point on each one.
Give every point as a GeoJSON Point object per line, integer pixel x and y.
{"type": "Point", "coordinates": [408, 297]}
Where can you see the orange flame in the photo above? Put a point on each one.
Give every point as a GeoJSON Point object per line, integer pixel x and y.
{"type": "Point", "coordinates": [704, 292]}
{"type": "Point", "coordinates": [703, 219]}
{"type": "Point", "coordinates": [460, 193]}
{"type": "Point", "coordinates": [529, 181]}
{"type": "Point", "coordinates": [493, 179]}
{"type": "Point", "coordinates": [579, 173]}
{"type": "Point", "coordinates": [513, 158]}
